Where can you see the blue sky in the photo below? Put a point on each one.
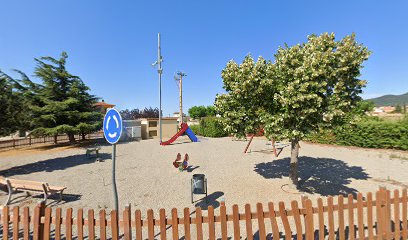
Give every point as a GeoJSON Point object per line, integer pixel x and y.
{"type": "Point", "coordinates": [112, 44]}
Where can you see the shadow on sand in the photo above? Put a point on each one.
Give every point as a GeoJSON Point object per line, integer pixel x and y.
{"type": "Point", "coordinates": [53, 164]}
{"type": "Point", "coordinates": [325, 176]}
{"type": "Point", "coordinates": [212, 200]}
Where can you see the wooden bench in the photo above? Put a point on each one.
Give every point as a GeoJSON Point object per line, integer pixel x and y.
{"type": "Point", "coordinates": [90, 150]}
{"type": "Point", "coordinates": [30, 186]}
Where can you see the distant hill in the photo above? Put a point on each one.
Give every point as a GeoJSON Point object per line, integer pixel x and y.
{"type": "Point", "coordinates": [390, 100]}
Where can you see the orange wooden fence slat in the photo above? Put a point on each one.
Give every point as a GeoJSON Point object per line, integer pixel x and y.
{"type": "Point", "coordinates": [330, 217]}
{"type": "Point", "coordinates": [187, 234]}
{"type": "Point", "coordinates": [138, 224]}
{"type": "Point", "coordinates": [261, 221]}
{"type": "Point", "coordinates": [321, 218]}
{"type": "Point", "coordinates": [127, 224]}
{"type": "Point", "coordinates": [235, 219]}
{"type": "Point", "coordinates": [285, 221]}
{"type": "Point", "coordinates": [162, 214]}
{"type": "Point", "coordinates": [80, 223]}
{"type": "Point", "coordinates": [150, 224]}
{"type": "Point", "coordinates": [360, 216]}
{"type": "Point", "coordinates": [199, 224]}
{"type": "Point", "coordinates": [309, 220]}
{"type": "Point", "coordinates": [379, 213]}
{"type": "Point", "coordinates": [351, 217]}
{"type": "Point", "coordinates": [340, 203]}
{"type": "Point", "coordinates": [296, 217]}
{"type": "Point", "coordinates": [114, 224]}
{"type": "Point", "coordinates": [223, 215]}
{"type": "Point", "coordinates": [102, 224]}
{"type": "Point", "coordinates": [68, 224]}
{"type": "Point", "coordinates": [274, 222]}
{"type": "Point", "coordinates": [211, 223]}
{"type": "Point", "coordinates": [36, 229]}
{"type": "Point", "coordinates": [26, 223]}
{"type": "Point", "coordinates": [404, 214]}
{"type": "Point", "coordinates": [58, 215]}
{"type": "Point", "coordinates": [47, 224]}
{"type": "Point", "coordinates": [387, 214]}
{"type": "Point", "coordinates": [16, 225]}
{"type": "Point", "coordinates": [370, 224]}
{"type": "Point", "coordinates": [6, 222]}
{"type": "Point", "coordinates": [396, 215]}
{"type": "Point", "coordinates": [37, 222]}
{"type": "Point", "coordinates": [174, 223]}
{"type": "Point", "coordinates": [91, 224]}
{"type": "Point", "coordinates": [248, 222]}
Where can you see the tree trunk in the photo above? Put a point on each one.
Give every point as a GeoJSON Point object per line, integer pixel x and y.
{"type": "Point", "coordinates": [71, 137]}
{"type": "Point", "coordinates": [249, 143]}
{"type": "Point", "coordinates": [293, 174]}
{"type": "Point", "coordinates": [55, 139]}
{"type": "Point", "coordinates": [83, 135]}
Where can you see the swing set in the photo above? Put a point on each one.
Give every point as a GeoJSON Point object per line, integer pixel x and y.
{"type": "Point", "coordinates": [273, 143]}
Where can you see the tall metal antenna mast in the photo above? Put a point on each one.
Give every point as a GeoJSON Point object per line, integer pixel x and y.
{"type": "Point", "coordinates": [159, 71]}
{"type": "Point", "coordinates": [179, 78]}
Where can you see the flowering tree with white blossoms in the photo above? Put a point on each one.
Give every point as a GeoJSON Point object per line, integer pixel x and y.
{"type": "Point", "coordinates": [241, 105]}
{"type": "Point", "coordinates": [310, 86]}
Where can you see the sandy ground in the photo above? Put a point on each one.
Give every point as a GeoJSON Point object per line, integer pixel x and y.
{"type": "Point", "coordinates": [147, 179]}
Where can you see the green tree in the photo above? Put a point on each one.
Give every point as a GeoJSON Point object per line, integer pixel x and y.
{"type": "Point", "coordinates": [310, 86]}
{"type": "Point", "coordinates": [201, 111]}
{"type": "Point", "coordinates": [314, 86]}
{"type": "Point", "coordinates": [63, 103]}
{"type": "Point", "coordinates": [197, 112]}
{"type": "Point", "coordinates": [14, 101]}
{"type": "Point", "coordinates": [241, 105]}
{"type": "Point", "coordinates": [210, 111]}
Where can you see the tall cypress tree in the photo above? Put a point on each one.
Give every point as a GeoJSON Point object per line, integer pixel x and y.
{"type": "Point", "coordinates": [64, 105]}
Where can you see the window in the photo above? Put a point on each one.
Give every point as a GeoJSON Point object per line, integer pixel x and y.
{"type": "Point", "coordinates": [152, 123]}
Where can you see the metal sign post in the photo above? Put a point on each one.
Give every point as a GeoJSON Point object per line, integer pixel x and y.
{"type": "Point", "coordinates": [112, 130]}
{"type": "Point", "coordinates": [115, 190]}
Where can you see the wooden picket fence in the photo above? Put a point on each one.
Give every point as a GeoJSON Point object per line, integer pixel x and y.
{"type": "Point", "coordinates": [374, 216]}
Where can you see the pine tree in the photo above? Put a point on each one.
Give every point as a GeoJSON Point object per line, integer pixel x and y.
{"type": "Point", "coordinates": [63, 104]}
{"type": "Point", "coordinates": [14, 111]}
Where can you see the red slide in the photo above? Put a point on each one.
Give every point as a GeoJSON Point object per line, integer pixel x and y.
{"type": "Point", "coordinates": [184, 127]}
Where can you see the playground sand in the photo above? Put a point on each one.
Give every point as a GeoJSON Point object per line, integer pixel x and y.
{"type": "Point", "coordinates": [147, 179]}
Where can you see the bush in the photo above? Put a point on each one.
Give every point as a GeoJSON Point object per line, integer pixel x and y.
{"type": "Point", "coordinates": [209, 127]}
{"type": "Point", "coordinates": [369, 133]}
{"type": "Point", "coordinates": [196, 129]}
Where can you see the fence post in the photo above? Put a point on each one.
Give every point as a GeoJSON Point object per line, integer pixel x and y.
{"type": "Point", "coordinates": [127, 222]}
{"type": "Point", "coordinates": [381, 212]}
{"type": "Point", "coordinates": [29, 140]}
{"type": "Point", "coordinates": [309, 226]}
{"type": "Point", "coordinates": [38, 232]}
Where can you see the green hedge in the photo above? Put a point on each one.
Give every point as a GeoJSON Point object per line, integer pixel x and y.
{"type": "Point", "coordinates": [209, 127]}
{"type": "Point", "coordinates": [369, 133]}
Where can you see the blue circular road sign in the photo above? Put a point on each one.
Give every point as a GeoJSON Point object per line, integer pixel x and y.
{"type": "Point", "coordinates": [112, 126]}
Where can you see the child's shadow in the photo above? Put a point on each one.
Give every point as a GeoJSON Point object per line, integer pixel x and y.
{"type": "Point", "coordinates": [191, 168]}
